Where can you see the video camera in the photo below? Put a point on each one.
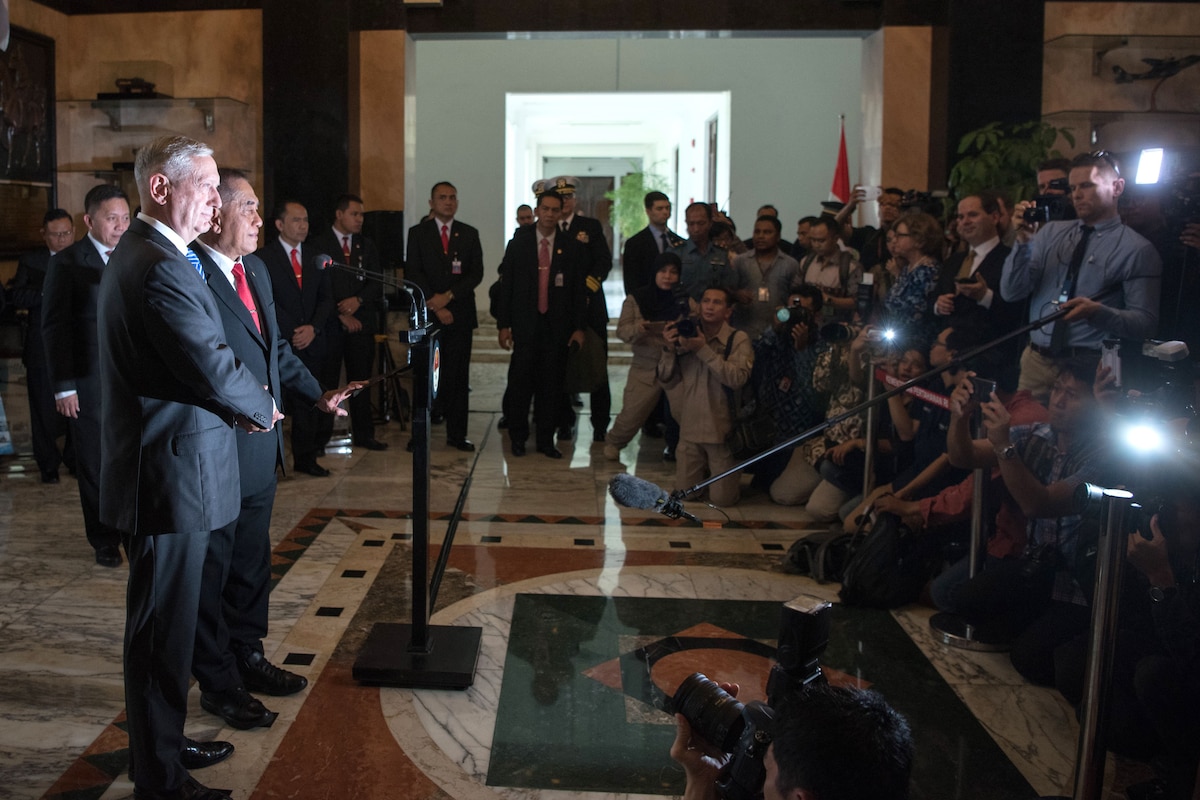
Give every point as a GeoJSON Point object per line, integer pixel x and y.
{"type": "Point", "coordinates": [744, 730]}
{"type": "Point", "coordinates": [1051, 207]}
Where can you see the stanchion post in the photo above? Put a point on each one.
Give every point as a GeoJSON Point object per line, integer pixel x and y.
{"type": "Point", "coordinates": [869, 435]}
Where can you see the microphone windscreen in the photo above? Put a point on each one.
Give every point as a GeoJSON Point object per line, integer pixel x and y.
{"type": "Point", "coordinates": [633, 492]}
{"type": "Point", "coordinates": [323, 261]}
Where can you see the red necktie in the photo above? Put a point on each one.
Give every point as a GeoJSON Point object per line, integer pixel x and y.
{"type": "Point", "coordinates": [544, 277]}
{"type": "Point", "coordinates": [243, 293]}
{"type": "Point", "coordinates": [346, 246]}
{"type": "Point", "coordinates": [296, 268]}
{"type": "Point", "coordinates": [445, 239]}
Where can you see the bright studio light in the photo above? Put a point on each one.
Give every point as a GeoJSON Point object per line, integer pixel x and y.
{"type": "Point", "coordinates": [1149, 165]}
{"type": "Point", "coordinates": [1144, 438]}
{"type": "Point", "coordinates": [890, 334]}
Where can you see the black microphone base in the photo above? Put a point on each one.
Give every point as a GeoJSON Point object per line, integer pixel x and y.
{"type": "Point", "coordinates": [386, 658]}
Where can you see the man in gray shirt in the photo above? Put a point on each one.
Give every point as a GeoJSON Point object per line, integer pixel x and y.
{"type": "Point", "coordinates": [1066, 264]}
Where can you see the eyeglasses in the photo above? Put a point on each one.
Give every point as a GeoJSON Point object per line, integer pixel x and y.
{"type": "Point", "coordinates": [60, 234]}
{"type": "Point", "coordinates": [1090, 159]}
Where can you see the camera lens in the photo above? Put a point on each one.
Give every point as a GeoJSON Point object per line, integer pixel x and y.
{"type": "Point", "coordinates": [711, 711]}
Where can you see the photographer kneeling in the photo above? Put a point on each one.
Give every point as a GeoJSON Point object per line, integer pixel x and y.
{"type": "Point", "coordinates": [826, 744]}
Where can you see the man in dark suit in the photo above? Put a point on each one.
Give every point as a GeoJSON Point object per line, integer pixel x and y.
{"type": "Point", "coordinates": [590, 234]}
{"type": "Point", "coordinates": [69, 327]}
{"type": "Point", "coordinates": [969, 283]}
{"type": "Point", "coordinates": [637, 259]}
{"type": "Point", "coordinates": [445, 259]}
{"type": "Point", "coordinates": [541, 315]}
{"type": "Point", "coordinates": [173, 392]}
{"type": "Point", "coordinates": [303, 306]}
{"type": "Point", "coordinates": [229, 661]}
{"type": "Point", "coordinates": [58, 231]}
{"type": "Point", "coordinates": [360, 306]}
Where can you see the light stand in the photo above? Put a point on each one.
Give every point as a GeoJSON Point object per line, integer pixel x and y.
{"type": "Point", "coordinates": [417, 654]}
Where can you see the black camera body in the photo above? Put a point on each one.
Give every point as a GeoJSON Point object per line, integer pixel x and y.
{"type": "Point", "coordinates": [744, 731]}
{"type": "Point", "coordinates": [1049, 208]}
{"type": "Point", "coordinates": [687, 328]}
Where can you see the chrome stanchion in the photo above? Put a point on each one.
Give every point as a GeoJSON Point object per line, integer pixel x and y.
{"type": "Point", "coordinates": [869, 435]}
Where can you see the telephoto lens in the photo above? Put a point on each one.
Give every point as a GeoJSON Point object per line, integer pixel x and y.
{"type": "Point", "coordinates": [712, 712]}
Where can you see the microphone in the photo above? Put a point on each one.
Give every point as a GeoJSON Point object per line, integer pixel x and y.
{"type": "Point", "coordinates": [633, 492]}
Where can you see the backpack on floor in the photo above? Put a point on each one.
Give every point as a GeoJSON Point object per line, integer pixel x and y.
{"type": "Point", "coordinates": [822, 555]}
{"type": "Point", "coordinates": [889, 567]}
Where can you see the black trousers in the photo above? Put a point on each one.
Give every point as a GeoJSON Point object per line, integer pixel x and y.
{"type": "Point", "coordinates": [45, 423]}
{"type": "Point", "coordinates": [357, 352]}
{"type": "Point", "coordinates": [233, 608]}
{"type": "Point", "coordinates": [85, 430]}
{"type": "Point", "coordinates": [453, 400]}
{"type": "Point", "coordinates": [535, 373]}
{"type": "Point", "coordinates": [160, 632]}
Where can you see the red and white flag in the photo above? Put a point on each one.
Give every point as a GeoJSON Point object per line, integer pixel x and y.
{"type": "Point", "coordinates": [840, 188]}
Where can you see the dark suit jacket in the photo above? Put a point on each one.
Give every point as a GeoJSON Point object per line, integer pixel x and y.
{"type": "Point", "coordinates": [69, 319]}
{"type": "Point", "coordinates": [26, 292]}
{"type": "Point", "coordinates": [1002, 316]}
{"type": "Point", "coordinates": [269, 358]}
{"type": "Point", "coordinates": [519, 288]}
{"type": "Point", "coordinates": [590, 234]}
{"type": "Point", "coordinates": [308, 304]}
{"type": "Point", "coordinates": [343, 284]}
{"type": "Point", "coordinates": [637, 261]}
{"type": "Point", "coordinates": [427, 266]}
{"type": "Point", "coordinates": [171, 389]}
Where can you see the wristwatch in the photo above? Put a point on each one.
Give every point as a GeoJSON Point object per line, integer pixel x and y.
{"type": "Point", "coordinates": [1160, 594]}
{"type": "Point", "coordinates": [1008, 453]}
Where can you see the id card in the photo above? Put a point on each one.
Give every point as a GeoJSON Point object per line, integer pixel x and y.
{"type": "Point", "coordinates": [456, 267]}
{"type": "Point", "coordinates": [558, 280]}
{"type": "Point", "coordinates": [763, 294]}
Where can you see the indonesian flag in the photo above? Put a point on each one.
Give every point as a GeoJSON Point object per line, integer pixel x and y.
{"type": "Point", "coordinates": [840, 189]}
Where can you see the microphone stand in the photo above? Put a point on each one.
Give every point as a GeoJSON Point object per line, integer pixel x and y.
{"type": "Point", "coordinates": [418, 654]}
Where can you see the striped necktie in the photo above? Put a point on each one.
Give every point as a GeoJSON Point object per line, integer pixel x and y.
{"type": "Point", "coordinates": [195, 259]}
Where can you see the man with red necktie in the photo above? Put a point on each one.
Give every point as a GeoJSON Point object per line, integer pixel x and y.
{"type": "Point", "coordinates": [445, 259]}
{"type": "Point", "coordinates": [357, 318]}
{"type": "Point", "coordinates": [303, 306]}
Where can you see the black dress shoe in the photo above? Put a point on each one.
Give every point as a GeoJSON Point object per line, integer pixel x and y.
{"type": "Point", "coordinates": [502, 424]}
{"type": "Point", "coordinates": [669, 454]}
{"type": "Point", "coordinates": [190, 790]}
{"type": "Point", "coordinates": [550, 452]}
{"type": "Point", "coordinates": [238, 708]}
{"type": "Point", "coordinates": [108, 555]}
{"type": "Point", "coordinates": [50, 476]}
{"type": "Point", "coordinates": [372, 444]}
{"type": "Point", "coordinates": [198, 755]}
{"type": "Point", "coordinates": [565, 433]}
{"type": "Point", "coordinates": [652, 429]}
{"type": "Point", "coordinates": [314, 469]}
{"type": "Point", "coordinates": [260, 675]}
{"type": "Point", "coordinates": [518, 449]}
{"type": "Point", "coordinates": [436, 419]}
{"type": "Point", "coordinates": [465, 445]}
{"type": "Point", "coordinates": [598, 436]}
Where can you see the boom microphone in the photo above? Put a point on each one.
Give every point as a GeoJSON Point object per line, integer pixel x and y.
{"type": "Point", "coordinates": [633, 492]}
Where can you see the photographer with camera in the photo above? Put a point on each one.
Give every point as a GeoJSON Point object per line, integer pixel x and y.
{"type": "Point", "coordinates": [1035, 599]}
{"type": "Point", "coordinates": [701, 364]}
{"type": "Point", "coordinates": [1063, 264]}
{"type": "Point", "coordinates": [826, 743]}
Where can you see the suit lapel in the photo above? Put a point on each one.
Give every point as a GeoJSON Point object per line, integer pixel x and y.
{"type": "Point", "coordinates": [225, 293]}
{"type": "Point", "coordinates": [256, 279]}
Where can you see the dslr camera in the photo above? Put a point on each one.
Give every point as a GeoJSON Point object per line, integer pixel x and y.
{"type": "Point", "coordinates": [744, 730]}
{"type": "Point", "coordinates": [1050, 207]}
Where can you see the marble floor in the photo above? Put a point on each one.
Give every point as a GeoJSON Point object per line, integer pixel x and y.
{"type": "Point", "coordinates": [570, 593]}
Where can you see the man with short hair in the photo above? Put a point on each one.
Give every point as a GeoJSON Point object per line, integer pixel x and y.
{"type": "Point", "coordinates": [1034, 598]}
{"type": "Point", "coordinates": [303, 306]}
{"type": "Point", "coordinates": [831, 269]}
{"type": "Point", "coordinates": [229, 659]}
{"type": "Point", "coordinates": [360, 304]}
{"type": "Point", "coordinates": [769, 210]}
{"type": "Point", "coordinates": [761, 278]}
{"type": "Point", "coordinates": [870, 242]}
{"type": "Point", "coordinates": [73, 351]}
{"type": "Point", "coordinates": [803, 228]}
{"type": "Point", "coordinates": [826, 743]}
{"type": "Point", "coordinates": [704, 264]}
{"type": "Point", "coordinates": [541, 308]}
{"type": "Point", "coordinates": [589, 233]}
{"type": "Point", "coordinates": [699, 374]}
{"type": "Point", "coordinates": [1062, 264]}
{"type": "Point", "coordinates": [45, 424]}
{"type": "Point", "coordinates": [524, 215]}
{"type": "Point", "coordinates": [641, 249]}
{"type": "Point", "coordinates": [445, 259]}
{"type": "Point", "coordinates": [173, 393]}
{"type": "Point", "coordinates": [1050, 171]}
{"type": "Point", "coordinates": [967, 285]}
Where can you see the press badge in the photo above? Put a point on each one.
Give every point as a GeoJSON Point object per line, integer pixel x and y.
{"type": "Point", "coordinates": [558, 280]}
{"type": "Point", "coordinates": [456, 267]}
{"type": "Point", "coordinates": [763, 294]}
